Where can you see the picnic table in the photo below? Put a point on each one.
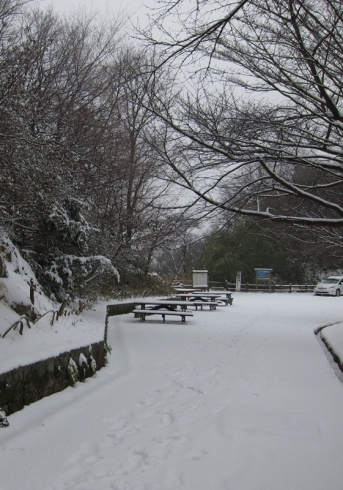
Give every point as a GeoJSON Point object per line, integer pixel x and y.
{"type": "Point", "coordinates": [199, 296]}
{"type": "Point", "coordinates": [227, 294]}
{"type": "Point", "coordinates": [157, 304]}
{"type": "Point", "coordinates": [185, 290]}
{"type": "Point", "coordinates": [161, 307]}
{"type": "Point", "coordinates": [172, 304]}
{"type": "Point", "coordinates": [208, 296]}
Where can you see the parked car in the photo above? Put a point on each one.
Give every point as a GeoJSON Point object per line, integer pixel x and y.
{"type": "Point", "coordinates": [330, 286]}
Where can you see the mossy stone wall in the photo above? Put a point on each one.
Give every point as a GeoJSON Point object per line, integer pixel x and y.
{"type": "Point", "coordinates": [28, 384]}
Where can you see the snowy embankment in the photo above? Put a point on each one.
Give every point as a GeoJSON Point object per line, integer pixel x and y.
{"type": "Point", "coordinates": [241, 397]}
{"type": "Point", "coordinates": [44, 338]}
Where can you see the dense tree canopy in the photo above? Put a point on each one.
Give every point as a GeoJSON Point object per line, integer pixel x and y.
{"type": "Point", "coordinates": [81, 192]}
{"type": "Point", "coordinates": [247, 246]}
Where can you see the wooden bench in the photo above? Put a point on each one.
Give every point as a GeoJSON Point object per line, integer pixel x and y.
{"type": "Point", "coordinates": [211, 304]}
{"type": "Point", "coordinates": [228, 299]}
{"type": "Point", "coordinates": [143, 313]}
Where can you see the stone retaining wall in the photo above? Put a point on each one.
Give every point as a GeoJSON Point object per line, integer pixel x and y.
{"type": "Point", "coordinates": [117, 309]}
{"type": "Point", "coordinates": [28, 384]}
{"type": "Point", "coordinates": [120, 309]}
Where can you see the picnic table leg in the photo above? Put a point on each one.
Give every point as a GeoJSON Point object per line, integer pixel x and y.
{"type": "Point", "coordinates": [229, 299]}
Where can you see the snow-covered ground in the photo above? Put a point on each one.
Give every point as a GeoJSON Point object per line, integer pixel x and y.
{"type": "Point", "coordinates": [243, 397]}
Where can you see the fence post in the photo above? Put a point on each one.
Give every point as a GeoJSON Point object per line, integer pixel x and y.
{"type": "Point", "coordinates": [32, 291]}
{"type": "Point", "coordinates": [63, 306]}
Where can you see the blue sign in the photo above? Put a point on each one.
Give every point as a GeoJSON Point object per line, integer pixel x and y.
{"type": "Point", "coordinates": [263, 273]}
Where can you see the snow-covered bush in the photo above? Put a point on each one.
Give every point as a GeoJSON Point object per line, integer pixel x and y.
{"type": "Point", "coordinates": [83, 366]}
{"type": "Point", "coordinates": [92, 361]}
{"type": "Point", "coordinates": [80, 277]}
{"type": "Point", "coordinates": [140, 284]}
{"type": "Point", "coordinates": [3, 419]}
{"type": "Point", "coordinates": [73, 373]}
{"type": "Point", "coordinates": [15, 285]}
{"type": "Point", "coordinates": [92, 364]}
{"type": "Point", "coordinates": [108, 350]}
{"type": "Point", "coordinates": [67, 226]}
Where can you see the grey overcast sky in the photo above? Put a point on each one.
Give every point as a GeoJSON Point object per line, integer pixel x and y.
{"type": "Point", "coordinates": [134, 8]}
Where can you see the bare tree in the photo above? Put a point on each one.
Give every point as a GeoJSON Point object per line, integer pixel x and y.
{"type": "Point", "coordinates": [129, 194]}
{"type": "Point", "coordinates": [257, 128]}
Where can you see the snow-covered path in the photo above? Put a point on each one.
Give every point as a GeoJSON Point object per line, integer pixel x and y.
{"type": "Point", "coordinates": [238, 398]}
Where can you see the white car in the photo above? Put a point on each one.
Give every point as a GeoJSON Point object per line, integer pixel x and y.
{"type": "Point", "coordinates": [330, 286]}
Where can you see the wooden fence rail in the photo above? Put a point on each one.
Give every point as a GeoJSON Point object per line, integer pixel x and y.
{"type": "Point", "coordinates": [274, 288]}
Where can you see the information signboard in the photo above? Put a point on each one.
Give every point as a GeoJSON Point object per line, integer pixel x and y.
{"type": "Point", "coordinates": [200, 279]}
{"type": "Point", "coordinates": [263, 275]}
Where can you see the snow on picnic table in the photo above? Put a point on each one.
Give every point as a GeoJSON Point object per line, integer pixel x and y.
{"type": "Point", "coordinates": [243, 397]}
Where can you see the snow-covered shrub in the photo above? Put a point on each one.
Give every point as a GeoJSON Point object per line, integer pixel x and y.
{"type": "Point", "coordinates": [82, 360]}
{"type": "Point", "coordinates": [73, 373]}
{"type": "Point", "coordinates": [92, 361]}
{"type": "Point", "coordinates": [67, 226]}
{"type": "Point", "coordinates": [108, 350]}
{"type": "Point", "coordinates": [62, 262]}
{"type": "Point", "coordinates": [80, 277]}
{"type": "Point", "coordinates": [83, 366]}
{"type": "Point", "coordinates": [19, 276]}
{"type": "Point", "coordinates": [139, 284]}
{"type": "Point", "coordinates": [92, 364]}
{"type": "Point", "coordinates": [3, 419]}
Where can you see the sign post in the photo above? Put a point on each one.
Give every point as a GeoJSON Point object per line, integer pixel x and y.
{"type": "Point", "coordinates": [238, 281]}
{"type": "Point", "coordinates": [264, 275]}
